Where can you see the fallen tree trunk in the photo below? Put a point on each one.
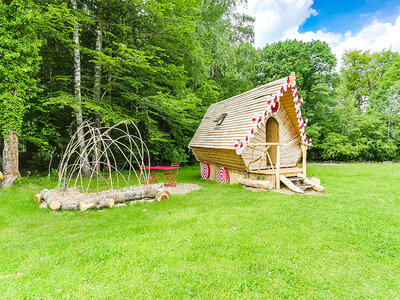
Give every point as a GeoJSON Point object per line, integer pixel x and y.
{"type": "Point", "coordinates": [262, 184]}
{"type": "Point", "coordinates": [108, 202]}
{"type": "Point", "coordinates": [70, 204]}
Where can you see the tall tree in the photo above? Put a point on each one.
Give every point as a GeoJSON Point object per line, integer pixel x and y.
{"type": "Point", "coordinates": [363, 73]}
{"type": "Point", "coordinates": [97, 71]}
{"type": "Point", "coordinates": [78, 93]}
{"type": "Point", "coordinates": [19, 62]}
{"type": "Point", "coordinates": [314, 65]}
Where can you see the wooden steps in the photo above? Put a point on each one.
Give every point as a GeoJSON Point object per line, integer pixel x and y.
{"type": "Point", "coordinates": [304, 186]}
{"type": "Point", "coordinates": [294, 178]}
{"type": "Point", "coordinates": [286, 181]}
{"type": "Point", "coordinates": [299, 183]}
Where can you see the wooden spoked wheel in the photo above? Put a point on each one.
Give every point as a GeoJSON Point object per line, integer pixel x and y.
{"type": "Point", "coordinates": [275, 108]}
{"type": "Point", "coordinates": [205, 171]}
{"type": "Point", "coordinates": [223, 175]}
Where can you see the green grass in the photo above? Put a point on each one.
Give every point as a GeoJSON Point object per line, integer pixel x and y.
{"type": "Point", "coordinates": [219, 242]}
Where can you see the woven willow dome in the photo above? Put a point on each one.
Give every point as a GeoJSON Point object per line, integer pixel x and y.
{"type": "Point", "coordinates": [104, 158]}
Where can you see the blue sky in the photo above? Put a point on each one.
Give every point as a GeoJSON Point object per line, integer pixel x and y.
{"type": "Point", "coordinates": [344, 25]}
{"type": "Point", "coordinates": [342, 15]}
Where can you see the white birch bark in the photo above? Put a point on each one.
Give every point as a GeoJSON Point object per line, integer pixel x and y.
{"type": "Point", "coordinates": [97, 83]}
{"type": "Point", "coordinates": [97, 71]}
{"type": "Point", "coordinates": [77, 91]}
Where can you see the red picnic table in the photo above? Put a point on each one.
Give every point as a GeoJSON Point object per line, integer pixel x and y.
{"type": "Point", "coordinates": [169, 176]}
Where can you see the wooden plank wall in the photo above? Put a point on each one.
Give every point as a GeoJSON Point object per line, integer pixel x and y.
{"type": "Point", "coordinates": [288, 134]}
{"type": "Point", "coordinates": [222, 157]}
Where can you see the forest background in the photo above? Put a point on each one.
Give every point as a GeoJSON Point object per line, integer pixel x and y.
{"type": "Point", "coordinates": [162, 63]}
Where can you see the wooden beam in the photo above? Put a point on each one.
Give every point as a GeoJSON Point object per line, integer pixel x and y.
{"type": "Point", "coordinates": [265, 144]}
{"type": "Point", "coordinates": [304, 150]}
{"type": "Point", "coordinates": [263, 184]}
{"type": "Point", "coordinates": [292, 79]}
{"type": "Point", "coordinates": [278, 167]}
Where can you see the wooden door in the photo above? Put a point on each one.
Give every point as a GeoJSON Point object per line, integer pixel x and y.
{"type": "Point", "coordinates": [272, 136]}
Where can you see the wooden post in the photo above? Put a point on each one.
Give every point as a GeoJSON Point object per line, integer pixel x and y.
{"type": "Point", "coordinates": [278, 167]}
{"type": "Point", "coordinates": [292, 79]}
{"type": "Point", "coordinates": [304, 150]}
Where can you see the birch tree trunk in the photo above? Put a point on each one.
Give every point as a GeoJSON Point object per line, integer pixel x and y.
{"type": "Point", "coordinates": [97, 71]}
{"type": "Point", "coordinates": [97, 89]}
{"type": "Point", "coordinates": [10, 159]}
{"type": "Point", "coordinates": [78, 95]}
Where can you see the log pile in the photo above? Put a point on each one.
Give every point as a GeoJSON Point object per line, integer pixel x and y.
{"type": "Point", "coordinates": [72, 199]}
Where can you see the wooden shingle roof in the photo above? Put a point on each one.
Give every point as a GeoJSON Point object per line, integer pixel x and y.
{"type": "Point", "coordinates": [245, 112]}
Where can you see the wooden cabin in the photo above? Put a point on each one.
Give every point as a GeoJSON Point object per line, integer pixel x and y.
{"type": "Point", "coordinates": [258, 136]}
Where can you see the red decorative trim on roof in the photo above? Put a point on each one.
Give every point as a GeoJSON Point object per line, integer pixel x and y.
{"type": "Point", "coordinates": [272, 108]}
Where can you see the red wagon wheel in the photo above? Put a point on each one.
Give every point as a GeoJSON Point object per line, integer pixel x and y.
{"type": "Point", "coordinates": [205, 171]}
{"type": "Point", "coordinates": [275, 108]}
{"type": "Point", "coordinates": [223, 175]}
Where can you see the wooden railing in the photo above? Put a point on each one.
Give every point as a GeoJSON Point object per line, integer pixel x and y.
{"type": "Point", "coordinates": [267, 157]}
{"type": "Point", "coordinates": [260, 158]}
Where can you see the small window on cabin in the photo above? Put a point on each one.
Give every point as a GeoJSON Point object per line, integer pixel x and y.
{"type": "Point", "coordinates": [220, 119]}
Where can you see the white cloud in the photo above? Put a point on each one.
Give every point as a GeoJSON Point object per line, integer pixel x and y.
{"type": "Point", "coordinates": [375, 36]}
{"type": "Point", "coordinates": [278, 20]}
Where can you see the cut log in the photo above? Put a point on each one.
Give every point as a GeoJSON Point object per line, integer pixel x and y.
{"type": "Point", "coordinates": [263, 184]}
{"type": "Point", "coordinates": [46, 194]}
{"type": "Point", "coordinates": [107, 202]}
{"type": "Point", "coordinates": [315, 186]}
{"type": "Point", "coordinates": [125, 195]}
{"type": "Point", "coordinates": [85, 206]}
{"type": "Point", "coordinates": [291, 185]}
{"type": "Point", "coordinates": [1, 176]}
{"type": "Point", "coordinates": [315, 180]}
{"type": "Point", "coordinates": [161, 196]}
{"type": "Point", "coordinates": [43, 205]}
{"type": "Point", "coordinates": [55, 205]}
{"type": "Point", "coordinates": [135, 194]}
{"type": "Point", "coordinates": [70, 204]}
{"type": "Point", "coordinates": [38, 197]}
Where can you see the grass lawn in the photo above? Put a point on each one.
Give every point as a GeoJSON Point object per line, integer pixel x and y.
{"type": "Point", "coordinates": [219, 242]}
